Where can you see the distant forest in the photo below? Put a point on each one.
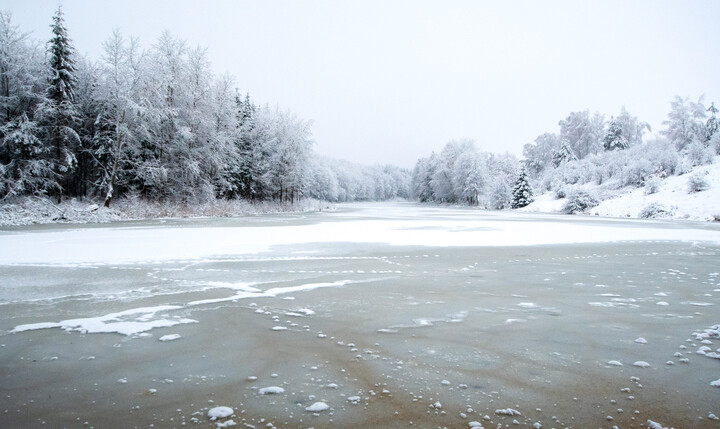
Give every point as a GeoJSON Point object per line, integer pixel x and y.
{"type": "Point", "coordinates": [158, 124]}
{"type": "Point", "coordinates": [589, 149]}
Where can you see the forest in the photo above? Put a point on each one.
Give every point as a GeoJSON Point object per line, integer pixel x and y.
{"type": "Point", "coordinates": [156, 124]}
{"type": "Point", "coordinates": [606, 154]}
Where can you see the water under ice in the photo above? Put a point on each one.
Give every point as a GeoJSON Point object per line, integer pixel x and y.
{"type": "Point", "coordinates": [390, 314]}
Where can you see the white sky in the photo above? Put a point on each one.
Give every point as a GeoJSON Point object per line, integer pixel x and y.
{"type": "Point", "coordinates": [390, 81]}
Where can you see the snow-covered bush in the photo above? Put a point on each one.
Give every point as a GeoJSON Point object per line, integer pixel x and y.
{"type": "Point", "coordinates": [652, 185]}
{"type": "Point", "coordinates": [715, 143]}
{"type": "Point", "coordinates": [655, 210]}
{"type": "Point", "coordinates": [579, 202]}
{"type": "Point", "coordinates": [699, 154]}
{"type": "Point", "coordinates": [697, 183]}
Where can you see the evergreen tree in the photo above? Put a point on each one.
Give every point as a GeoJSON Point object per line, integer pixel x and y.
{"type": "Point", "coordinates": [522, 194]}
{"type": "Point", "coordinates": [29, 169]}
{"type": "Point", "coordinates": [712, 125]}
{"type": "Point", "coordinates": [562, 155]}
{"type": "Point", "coordinates": [57, 112]}
{"type": "Point", "coordinates": [614, 139]}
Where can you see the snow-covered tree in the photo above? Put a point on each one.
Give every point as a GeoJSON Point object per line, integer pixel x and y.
{"type": "Point", "coordinates": [713, 124]}
{"type": "Point", "coordinates": [443, 186]}
{"type": "Point", "coordinates": [522, 191]}
{"type": "Point", "coordinates": [615, 139]}
{"type": "Point", "coordinates": [469, 177]}
{"type": "Point", "coordinates": [422, 174]}
{"type": "Point", "coordinates": [583, 133]}
{"type": "Point", "coordinates": [539, 154]}
{"type": "Point", "coordinates": [57, 112]}
{"type": "Point", "coordinates": [26, 165]}
{"type": "Point", "coordinates": [631, 128]}
{"type": "Point", "coordinates": [502, 171]}
{"type": "Point", "coordinates": [22, 72]}
{"type": "Point", "coordinates": [119, 123]}
{"type": "Point", "coordinates": [563, 154]}
{"type": "Point", "coordinates": [685, 123]}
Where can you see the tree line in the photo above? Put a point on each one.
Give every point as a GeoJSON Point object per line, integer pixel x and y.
{"type": "Point", "coordinates": [610, 153]}
{"type": "Point", "coordinates": [157, 123]}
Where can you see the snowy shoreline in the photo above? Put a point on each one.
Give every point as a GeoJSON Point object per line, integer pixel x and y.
{"type": "Point", "coordinates": [671, 199]}
{"type": "Point", "coordinates": [42, 211]}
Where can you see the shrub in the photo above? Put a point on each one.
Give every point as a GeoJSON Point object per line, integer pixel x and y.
{"type": "Point", "coordinates": [655, 210]}
{"type": "Point", "coordinates": [652, 185]}
{"type": "Point", "coordinates": [579, 202]}
{"type": "Point", "coordinates": [697, 183]}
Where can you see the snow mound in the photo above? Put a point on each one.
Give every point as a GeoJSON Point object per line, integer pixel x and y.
{"type": "Point", "coordinates": [508, 412]}
{"type": "Point", "coordinates": [170, 337]}
{"type": "Point", "coordinates": [272, 390]}
{"type": "Point", "coordinates": [317, 407]}
{"type": "Point", "coordinates": [220, 412]}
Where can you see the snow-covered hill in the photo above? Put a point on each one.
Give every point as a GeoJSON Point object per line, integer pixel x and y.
{"type": "Point", "coordinates": [672, 198]}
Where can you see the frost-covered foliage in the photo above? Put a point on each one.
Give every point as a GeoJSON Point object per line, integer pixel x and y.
{"type": "Point", "coordinates": [686, 123]}
{"type": "Point", "coordinates": [158, 123]}
{"type": "Point", "coordinates": [617, 169]}
{"type": "Point", "coordinates": [572, 157]}
{"type": "Point", "coordinates": [652, 185]}
{"type": "Point", "coordinates": [587, 151]}
{"type": "Point", "coordinates": [697, 183]}
{"type": "Point", "coordinates": [583, 133]}
{"type": "Point", "coordinates": [655, 210]}
{"type": "Point", "coordinates": [343, 181]}
{"type": "Point", "coordinates": [579, 202]}
{"type": "Point", "coordinates": [461, 174]}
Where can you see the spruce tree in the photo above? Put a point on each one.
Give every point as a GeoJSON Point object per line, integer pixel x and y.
{"type": "Point", "coordinates": [713, 125]}
{"type": "Point", "coordinates": [58, 112]}
{"type": "Point", "coordinates": [562, 155]}
{"type": "Point", "coordinates": [614, 139]}
{"type": "Point", "coordinates": [522, 194]}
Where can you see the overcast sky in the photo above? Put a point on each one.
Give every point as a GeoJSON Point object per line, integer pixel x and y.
{"type": "Point", "coordinates": [390, 81]}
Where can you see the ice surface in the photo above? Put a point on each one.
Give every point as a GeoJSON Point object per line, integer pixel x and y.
{"type": "Point", "coordinates": [135, 244]}
{"type": "Point", "coordinates": [389, 327]}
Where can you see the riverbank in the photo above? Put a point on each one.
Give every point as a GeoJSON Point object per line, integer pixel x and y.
{"type": "Point", "coordinates": [34, 210]}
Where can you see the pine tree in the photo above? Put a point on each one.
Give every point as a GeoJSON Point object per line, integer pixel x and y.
{"type": "Point", "coordinates": [522, 194]}
{"type": "Point", "coordinates": [57, 112]}
{"type": "Point", "coordinates": [614, 139]}
{"type": "Point", "coordinates": [562, 155]}
{"type": "Point", "coordinates": [712, 125]}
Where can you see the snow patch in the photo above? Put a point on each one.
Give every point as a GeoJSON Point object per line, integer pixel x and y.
{"type": "Point", "coordinates": [220, 413]}
{"type": "Point", "coordinates": [272, 390]}
{"type": "Point", "coordinates": [170, 337]}
{"type": "Point", "coordinates": [317, 407]}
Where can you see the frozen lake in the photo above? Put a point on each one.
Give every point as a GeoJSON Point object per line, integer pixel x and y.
{"type": "Point", "coordinates": [377, 315]}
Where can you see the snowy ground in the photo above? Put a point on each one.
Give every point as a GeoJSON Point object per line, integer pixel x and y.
{"type": "Point", "coordinates": [672, 195]}
{"type": "Point", "coordinates": [34, 210]}
{"type": "Point", "coordinates": [370, 316]}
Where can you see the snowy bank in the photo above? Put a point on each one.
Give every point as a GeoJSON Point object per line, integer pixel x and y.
{"type": "Point", "coordinates": [671, 198]}
{"type": "Point", "coordinates": [34, 210]}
